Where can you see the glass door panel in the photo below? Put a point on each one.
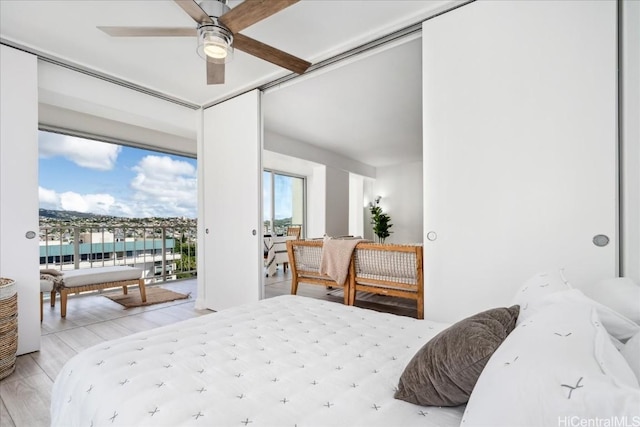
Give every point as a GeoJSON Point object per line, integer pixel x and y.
{"type": "Point", "coordinates": [267, 203]}
{"type": "Point", "coordinates": [283, 202]}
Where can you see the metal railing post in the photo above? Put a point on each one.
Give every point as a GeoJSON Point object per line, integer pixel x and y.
{"type": "Point", "coordinates": [76, 248]}
{"type": "Point", "coordinates": [173, 264]}
{"type": "Point", "coordinates": [164, 253]}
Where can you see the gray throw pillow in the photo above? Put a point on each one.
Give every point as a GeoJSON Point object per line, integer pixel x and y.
{"type": "Point", "coordinates": [445, 370]}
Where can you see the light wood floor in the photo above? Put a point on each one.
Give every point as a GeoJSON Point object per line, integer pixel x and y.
{"type": "Point", "coordinates": [25, 395]}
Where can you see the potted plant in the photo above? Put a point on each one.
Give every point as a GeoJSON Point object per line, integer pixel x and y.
{"type": "Point", "coordinates": [381, 221]}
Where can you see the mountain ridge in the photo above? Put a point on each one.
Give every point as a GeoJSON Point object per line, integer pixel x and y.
{"type": "Point", "coordinates": [62, 214]}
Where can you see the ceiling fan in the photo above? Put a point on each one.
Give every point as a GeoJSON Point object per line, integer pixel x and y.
{"type": "Point", "coordinates": [218, 31]}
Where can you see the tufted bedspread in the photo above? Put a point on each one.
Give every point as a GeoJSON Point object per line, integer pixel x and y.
{"type": "Point", "coordinates": [285, 361]}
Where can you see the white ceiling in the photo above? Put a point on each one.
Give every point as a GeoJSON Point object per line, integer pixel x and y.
{"type": "Point", "coordinates": [368, 109]}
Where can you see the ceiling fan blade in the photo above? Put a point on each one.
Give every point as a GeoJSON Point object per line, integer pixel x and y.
{"type": "Point", "coordinates": [194, 11]}
{"type": "Point", "coordinates": [149, 31]}
{"type": "Point", "coordinates": [270, 54]}
{"type": "Point", "coordinates": [215, 73]}
{"type": "Point", "coordinates": [251, 11]}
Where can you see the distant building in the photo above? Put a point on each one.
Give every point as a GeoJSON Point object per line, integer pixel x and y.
{"type": "Point", "coordinates": [106, 248]}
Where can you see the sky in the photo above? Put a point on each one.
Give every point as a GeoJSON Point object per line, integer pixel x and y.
{"type": "Point", "coordinates": [283, 196]}
{"type": "Point", "coordinates": [91, 176]}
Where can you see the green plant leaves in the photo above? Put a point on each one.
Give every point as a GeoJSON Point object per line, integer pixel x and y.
{"type": "Point", "coordinates": [381, 222]}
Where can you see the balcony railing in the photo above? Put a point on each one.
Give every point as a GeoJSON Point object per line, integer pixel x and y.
{"type": "Point", "coordinates": [164, 252]}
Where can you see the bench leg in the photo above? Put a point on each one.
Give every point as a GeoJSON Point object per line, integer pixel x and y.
{"type": "Point", "coordinates": [63, 303]}
{"type": "Point", "coordinates": [125, 290]}
{"type": "Point", "coordinates": [52, 300]}
{"type": "Point", "coordinates": [143, 291]}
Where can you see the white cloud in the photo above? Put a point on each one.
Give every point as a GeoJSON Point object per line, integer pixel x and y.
{"type": "Point", "coordinates": [48, 198]}
{"type": "Point", "coordinates": [94, 203]}
{"type": "Point", "coordinates": [162, 187]}
{"type": "Point", "coordinates": [83, 152]}
{"type": "Point", "coordinates": [165, 187]}
{"type": "Point", "coordinates": [103, 204]}
{"type": "Point", "coordinates": [161, 167]}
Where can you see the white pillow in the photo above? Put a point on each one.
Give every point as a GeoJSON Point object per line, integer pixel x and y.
{"type": "Point", "coordinates": [616, 324]}
{"type": "Point", "coordinates": [621, 294]}
{"type": "Point", "coordinates": [631, 352]}
{"type": "Point", "coordinates": [539, 286]}
{"type": "Point", "coordinates": [556, 367]}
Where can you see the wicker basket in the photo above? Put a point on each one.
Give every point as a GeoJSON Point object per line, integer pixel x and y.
{"type": "Point", "coordinates": [8, 326]}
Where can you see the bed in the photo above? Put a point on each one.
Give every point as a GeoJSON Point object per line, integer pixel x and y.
{"type": "Point", "coordinates": [555, 357]}
{"type": "Point", "coordinates": [283, 361]}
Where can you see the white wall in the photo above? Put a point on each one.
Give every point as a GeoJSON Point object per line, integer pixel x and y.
{"type": "Point", "coordinates": [327, 202]}
{"type": "Point", "coordinates": [19, 188]}
{"type": "Point", "coordinates": [294, 148]}
{"type": "Point", "coordinates": [356, 202]}
{"type": "Point", "coordinates": [316, 202]}
{"type": "Point", "coordinates": [337, 202]}
{"type": "Point", "coordinates": [630, 134]}
{"type": "Point", "coordinates": [73, 100]}
{"type": "Point", "coordinates": [369, 196]}
{"type": "Point", "coordinates": [328, 182]}
{"type": "Point", "coordinates": [401, 189]}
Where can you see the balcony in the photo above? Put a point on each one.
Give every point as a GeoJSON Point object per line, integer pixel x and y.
{"type": "Point", "coordinates": [163, 252]}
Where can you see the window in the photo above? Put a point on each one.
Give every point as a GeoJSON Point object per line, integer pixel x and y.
{"type": "Point", "coordinates": [283, 201]}
{"type": "Point", "coordinates": [121, 204]}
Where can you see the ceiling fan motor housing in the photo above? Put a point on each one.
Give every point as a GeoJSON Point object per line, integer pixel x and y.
{"type": "Point", "coordinates": [215, 41]}
{"type": "Point", "coordinates": [214, 8]}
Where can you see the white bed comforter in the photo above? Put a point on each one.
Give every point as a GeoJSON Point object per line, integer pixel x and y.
{"type": "Point", "coordinates": [285, 361]}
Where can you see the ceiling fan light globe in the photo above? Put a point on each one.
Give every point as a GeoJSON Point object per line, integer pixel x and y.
{"type": "Point", "coordinates": [215, 44]}
{"type": "Point", "coordinates": [215, 51]}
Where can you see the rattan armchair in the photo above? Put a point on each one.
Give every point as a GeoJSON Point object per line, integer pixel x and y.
{"type": "Point", "coordinates": [304, 259]}
{"type": "Point", "coordinates": [383, 269]}
{"type": "Point", "coordinates": [294, 230]}
{"type": "Point", "coordinates": [387, 269]}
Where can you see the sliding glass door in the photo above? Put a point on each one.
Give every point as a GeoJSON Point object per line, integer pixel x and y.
{"type": "Point", "coordinates": [283, 202]}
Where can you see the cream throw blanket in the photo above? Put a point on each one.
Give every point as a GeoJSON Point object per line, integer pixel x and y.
{"type": "Point", "coordinates": [53, 276]}
{"type": "Point", "coordinates": [336, 255]}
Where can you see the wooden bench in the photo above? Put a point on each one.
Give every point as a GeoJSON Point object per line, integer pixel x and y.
{"type": "Point", "coordinates": [384, 269]}
{"type": "Point", "coordinates": [93, 279]}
